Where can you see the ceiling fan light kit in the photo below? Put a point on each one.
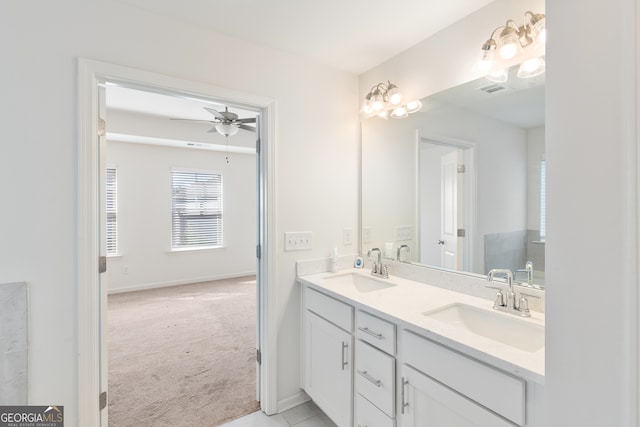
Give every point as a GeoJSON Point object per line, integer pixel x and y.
{"type": "Point", "coordinates": [225, 122]}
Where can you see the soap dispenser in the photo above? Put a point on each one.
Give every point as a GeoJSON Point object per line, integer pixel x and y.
{"type": "Point", "coordinates": [333, 267]}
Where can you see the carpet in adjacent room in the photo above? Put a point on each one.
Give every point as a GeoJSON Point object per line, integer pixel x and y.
{"type": "Point", "coordinates": [182, 355]}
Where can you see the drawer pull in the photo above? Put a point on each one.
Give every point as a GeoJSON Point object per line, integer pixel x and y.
{"type": "Point", "coordinates": [404, 403]}
{"type": "Point", "coordinates": [344, 358]}
{"type": "Point", "coordinates": [370, 332]}
{"type": "Point", "coordinates": [369, 378]}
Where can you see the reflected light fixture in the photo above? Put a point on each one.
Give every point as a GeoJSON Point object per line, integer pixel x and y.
{"type": "Point", "coordinates": [524, 45]}
{"type": "Point", "coordinates": [385, 100]}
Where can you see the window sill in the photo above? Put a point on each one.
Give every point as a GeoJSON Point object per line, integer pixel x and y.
{"type": "Point", "coordinates": [192, 250]}
{"type": "Point", "coordinates": [114, 256]}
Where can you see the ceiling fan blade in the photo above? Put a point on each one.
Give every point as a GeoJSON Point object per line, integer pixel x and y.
{"type": "Point", "coordinates": [247, 120]}
{"type": "Point", "coordinates": [245, 127]}
{"type": "Point", "coordinates": [215, 113]}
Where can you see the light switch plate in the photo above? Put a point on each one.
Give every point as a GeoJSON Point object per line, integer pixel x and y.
{"type": "Point", "coordinates": [298, 241]}
{"type": "Point", "coordinates": [404, 233]}
{"type": "Point", "coordinates": [347, 238]}
{"type": "Point", "coordinates": [367, 234]}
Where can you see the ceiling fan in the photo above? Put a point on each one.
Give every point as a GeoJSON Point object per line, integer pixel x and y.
{"type": "Point", "coordinates": [226, 123]}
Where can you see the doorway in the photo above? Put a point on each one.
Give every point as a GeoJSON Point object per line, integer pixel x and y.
{"type": "Point", "coordinates": [181, 321]}
{"type": "Point", "coordinates": [91, 294]}
{"type": "Point", "coordinates": [445, 188]}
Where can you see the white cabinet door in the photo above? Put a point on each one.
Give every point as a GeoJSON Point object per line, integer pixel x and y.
{"type": "Point", "coordinates": [328, 368]}
{"type": "Point", "coordinates": [427, 403]}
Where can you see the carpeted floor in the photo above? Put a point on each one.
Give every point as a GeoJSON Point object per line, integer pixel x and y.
{"type": "Point", "coordinates": [183, 355]}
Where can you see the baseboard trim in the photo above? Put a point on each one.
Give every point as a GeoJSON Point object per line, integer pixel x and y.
{"type": "Point", "coordinates": [177, 282]}
{"type": "Point", "coordinates": [293, 401]}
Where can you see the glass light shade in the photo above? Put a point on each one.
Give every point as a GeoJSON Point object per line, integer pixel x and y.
{"type": "Point", "coordinates": [384, 115]}
{"type": "Point", "coordinates": [531, 67]}
{"type": "Point", "coordinates": [486, 62]}
{"type": "Point", "coordinates": [377, 102]}
{"type": "Point", "coordinates": [366, 108]}
{"type": "Point", "coordinates": [498, 76]}
{"type": "Point", "coordinates": [395, 97]}
{"type": "Point", "coordinates": [399, 112]}
{"type": "Point", "coordinates": [227, 129]}
{"type": "Point", "coordinates": [413, 106]}
{"type": "Point", "coordinates": [509, 42]}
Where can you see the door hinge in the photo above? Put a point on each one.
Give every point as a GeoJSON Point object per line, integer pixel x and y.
{"type": "Point", "coordinates": [462, 168]}
{"type": "Point", "coordinates": [258, 356]}
{"type": "Point", "coordinates": [103, 400]}
{"type": "Point", "coordinates": [102, 264]}
{"type": "Point", "coordinates": [102, 127]}
{"type": "Point", "coordinates": [462, 232]}
{"type": "Point", "coordinates": [258, 251]}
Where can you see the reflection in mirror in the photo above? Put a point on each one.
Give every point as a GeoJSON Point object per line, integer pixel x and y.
{"type": "Point", "coordinates": [461, 183]}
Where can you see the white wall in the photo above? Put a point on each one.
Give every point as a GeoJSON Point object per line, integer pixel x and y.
{"type": "Point", "coordinates": [144, 217]}
{"type": "Point", "coordinates": [317, 125]}
{"type": "Point", "coordinates": [592, 258]}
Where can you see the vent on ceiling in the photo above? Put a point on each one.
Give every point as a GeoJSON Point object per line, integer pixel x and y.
{"type": "Point", "coordinates": [492, 88]}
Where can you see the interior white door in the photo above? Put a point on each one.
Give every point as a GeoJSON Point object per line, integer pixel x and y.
{"type": "Point", "coordinates": [102, 223]}
{"type": "Point", "coordinates": [450, 252]}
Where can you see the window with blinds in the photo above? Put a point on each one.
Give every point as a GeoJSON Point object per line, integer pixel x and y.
{"type": "Point", "coordinates": [196, 213]}
{"type": "Point", "coordinates": [543, 199]}
{"type": "Point", "coordinates": [112, 211]}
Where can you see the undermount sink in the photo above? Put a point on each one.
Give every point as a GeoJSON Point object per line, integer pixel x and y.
{"type": "Point", "coordinates": [504, 328]}
{"type": "Point", "coordinates": [359, 282]}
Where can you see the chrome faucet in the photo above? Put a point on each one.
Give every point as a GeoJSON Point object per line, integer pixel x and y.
{"type": "Point", "coordinates": [528, 269]}
{"type": "Point", "coordinates": [378, 269]}
{"type": "Point", "coordinates": [508, 303]}
{"type": "Point", "coordinates": [400, 252]}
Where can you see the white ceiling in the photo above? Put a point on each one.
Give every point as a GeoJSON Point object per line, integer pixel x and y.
{"type": "Point", "coordinates": [353, 35]}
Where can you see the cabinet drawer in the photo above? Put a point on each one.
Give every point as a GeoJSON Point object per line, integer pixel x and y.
{"type": "Point", "coordinates": [336, 312]}
{"type": "Point", "coordinates": [375, 377]}
{"type": "Point", "coordinates": [494, 389]}
{"type": "Point", "coordinates": [376, 332]}
{"type": "Point", "coordinates": [367, 415]}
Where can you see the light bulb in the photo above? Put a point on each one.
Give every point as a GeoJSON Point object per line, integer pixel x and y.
{"type": "Point", "coordinates": [531, 67]}
{"type": "Point", "coordinates": [498, 76]}
{"type": "Point", "coordinates": [395, 97]}
{"type": "Point", "coordinates": [399, 112]}
{"type": "Point", "coordinates": [413, 106]}
{"type": "Point", "coordinates": [509, 43]}
{"type": "Point", "coordinates": [377, 102]}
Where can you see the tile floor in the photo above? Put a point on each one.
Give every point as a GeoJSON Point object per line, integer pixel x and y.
{"type": "Point", "coordinates": [305, 415]}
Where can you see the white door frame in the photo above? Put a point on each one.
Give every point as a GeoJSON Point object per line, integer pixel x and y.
{"type": "Point", "coordinates": [90, 74]}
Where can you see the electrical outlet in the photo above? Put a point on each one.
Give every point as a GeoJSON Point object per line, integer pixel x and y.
{"type": "Point", "coordinates": [298, 241]}
{"type": "Point", "coordinates": [346, 236]}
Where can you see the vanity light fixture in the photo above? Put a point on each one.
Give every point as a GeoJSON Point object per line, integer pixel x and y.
{"type": "Point", "coordinates": [524, 45]}
{"type": "Point", "coordinates": [385, 100]}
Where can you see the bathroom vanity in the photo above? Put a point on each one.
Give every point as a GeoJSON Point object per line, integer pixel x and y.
{"type": "Point", "coordinates": [394, 352]}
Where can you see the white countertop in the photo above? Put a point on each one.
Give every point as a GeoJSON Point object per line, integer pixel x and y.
{"type": "Point", "coordinates": [405, 305]}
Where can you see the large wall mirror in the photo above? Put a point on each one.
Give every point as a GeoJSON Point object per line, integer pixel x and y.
{"type": "Point", "coordinates": [460, 185]}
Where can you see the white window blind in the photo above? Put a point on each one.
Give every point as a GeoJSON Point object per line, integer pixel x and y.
{"type": "Point", "coordinates": [196, 219]}
{"type": "Point", "coordinates": [112, 211]}
{"type": "Point", "coordinates": [543, 199]}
